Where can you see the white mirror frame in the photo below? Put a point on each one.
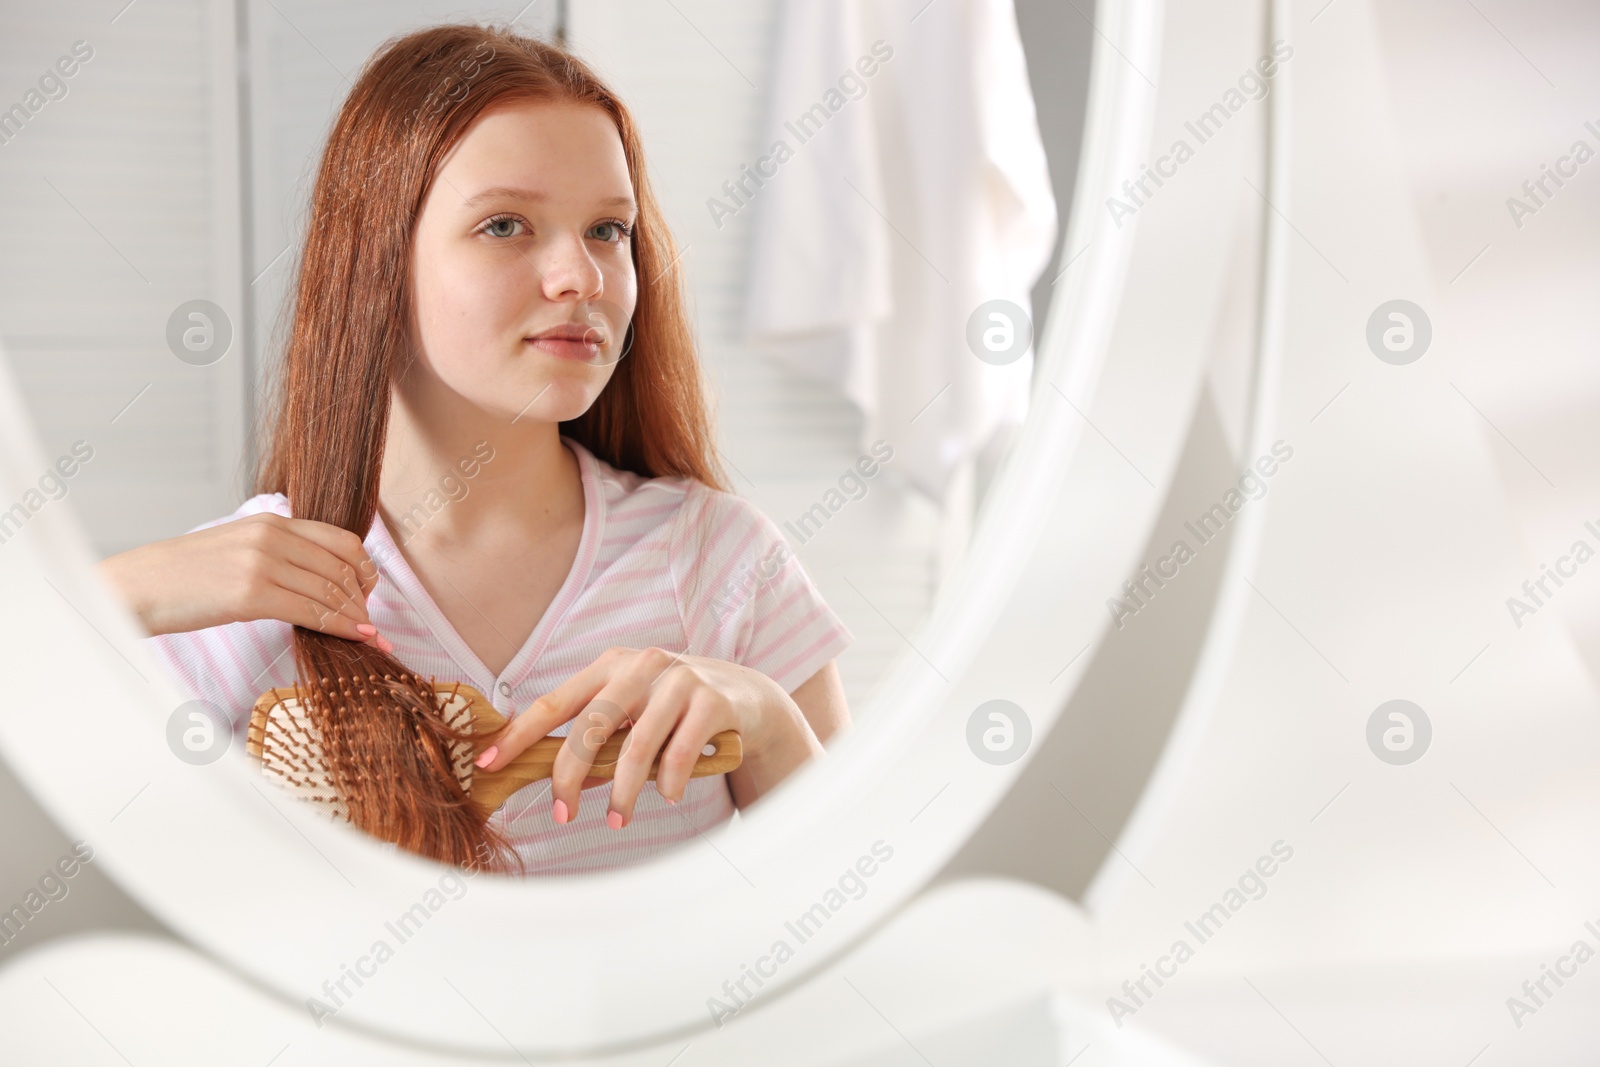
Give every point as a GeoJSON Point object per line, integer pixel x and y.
{"type": "Point", "coordinates": [557, 966]}
{"type": "Point", "coordinates": [1163, 787]}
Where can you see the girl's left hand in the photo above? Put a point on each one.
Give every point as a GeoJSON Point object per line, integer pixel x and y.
{"type": "Point", "coordinates": [673, 700]}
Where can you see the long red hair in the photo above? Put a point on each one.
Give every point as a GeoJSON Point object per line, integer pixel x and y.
{"type": "Point", "coordinates": [350, 335]}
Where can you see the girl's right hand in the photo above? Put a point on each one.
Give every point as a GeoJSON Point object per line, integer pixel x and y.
{"type": "Point", "coordinates": [264, 566]}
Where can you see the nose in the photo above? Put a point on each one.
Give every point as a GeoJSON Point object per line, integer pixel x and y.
{"type": "Point", "coordinates": [568, 272]}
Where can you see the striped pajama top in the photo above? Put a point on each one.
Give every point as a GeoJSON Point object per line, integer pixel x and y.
{"type": "Point", "coordinates": [667, 562]}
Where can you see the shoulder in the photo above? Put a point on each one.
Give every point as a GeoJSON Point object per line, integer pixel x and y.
{"type": "Point", "coordinates": [744, 594]}
{"type": "Point", "coordinates": [697, 522]}
{"type": "Point", "coordinates": [633, 504]}
{"type": "Point", "coordinates": [722, 537]}
{"type": "Point", "coordinates": [720, 517]}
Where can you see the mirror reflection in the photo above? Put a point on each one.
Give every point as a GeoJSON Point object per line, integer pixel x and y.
{"type": "Point", "coordinates": [546, 520]}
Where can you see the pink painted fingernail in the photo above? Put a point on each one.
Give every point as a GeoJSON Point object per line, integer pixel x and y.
{"type": "Point", "coordinates": [385, 644]}
{"type": "Point", "coordinates": [366, 628]}
{"type": "Point", "coordinates": [669, 800]}
{"type": "Point", "coordinates": [488, 756]}
{"type": "Point", "coordinates": [558, 811]}
{"type": "Point", "coordinates": [614, 820]}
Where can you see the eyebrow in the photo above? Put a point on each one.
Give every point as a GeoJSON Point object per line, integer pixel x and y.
{"type": "Point", "coordinates": [537, 196]}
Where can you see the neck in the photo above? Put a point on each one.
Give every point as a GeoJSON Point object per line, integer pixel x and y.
{"type": "Point", "coordinates": [453, 473]}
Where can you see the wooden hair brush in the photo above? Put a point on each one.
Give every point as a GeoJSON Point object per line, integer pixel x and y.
{"type": "Point", "coordinates": [283, 740]}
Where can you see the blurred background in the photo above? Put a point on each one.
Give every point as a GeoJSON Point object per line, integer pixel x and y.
{"type": "Point", "coordinates": [1440, 166]}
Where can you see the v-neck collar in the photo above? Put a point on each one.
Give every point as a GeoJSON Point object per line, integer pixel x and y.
{"type": "Point", "coordinates": [411, 587]}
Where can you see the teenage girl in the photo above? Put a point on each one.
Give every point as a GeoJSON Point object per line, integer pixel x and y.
{"type": "Point", "coordinates": [490, 461]}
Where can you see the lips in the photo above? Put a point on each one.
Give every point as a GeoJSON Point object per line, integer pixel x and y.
{"type": "Point", "coordinates": [570, 341]}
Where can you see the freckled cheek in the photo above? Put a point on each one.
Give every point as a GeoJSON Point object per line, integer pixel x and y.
{"type": "Point", "coordinates": [621, 288]}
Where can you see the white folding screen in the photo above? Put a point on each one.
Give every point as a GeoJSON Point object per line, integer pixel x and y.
{"type": "Point", "coordinates": [118, 207]}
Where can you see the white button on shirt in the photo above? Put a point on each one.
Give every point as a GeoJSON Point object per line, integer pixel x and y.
{"type": "Point", "coordinates": [666, 562]}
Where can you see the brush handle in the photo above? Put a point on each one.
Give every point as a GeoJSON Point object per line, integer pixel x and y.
{"type": "Point", "coordinates": [536, 762]}
{"type": "Point", "coordinates": [297, 753]}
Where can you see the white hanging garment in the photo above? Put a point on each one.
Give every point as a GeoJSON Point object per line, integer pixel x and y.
{"type": "Point", "coordinates": [904, 185]}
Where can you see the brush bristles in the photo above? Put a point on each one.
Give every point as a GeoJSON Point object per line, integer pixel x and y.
{"type": "Point", "coordinates": [391, 753]}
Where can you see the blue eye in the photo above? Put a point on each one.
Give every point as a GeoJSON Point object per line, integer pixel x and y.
{"type": "Point", "coordinates": [501, 226]}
